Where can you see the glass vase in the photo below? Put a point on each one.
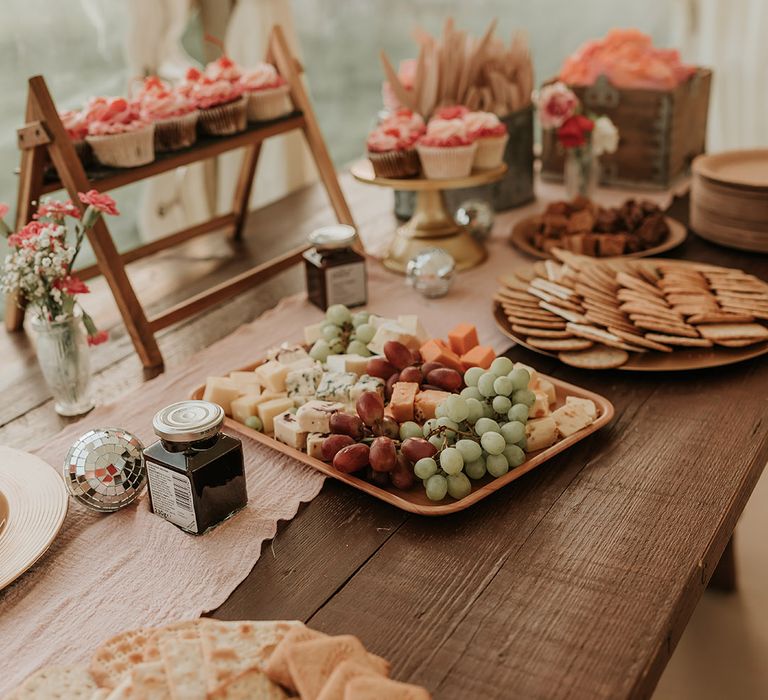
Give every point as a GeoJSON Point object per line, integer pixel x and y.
{"type": "Point", "coordinates": [63, 354]}
{"type": "Point", "coordinates": [582, 173]}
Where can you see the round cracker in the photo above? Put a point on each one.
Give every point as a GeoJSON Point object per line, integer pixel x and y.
{"type": "Point", "coordinates": [640, 340]}
{"type": "Point", "coordinates": [678, 340]}
{"type": "Point", "coordinates": [596, 357]}
{"type": "Point", "coordinates": [656, 326]}
{"type": "Point", "coordinates": [739, 342]}
{"type": "Point", "coordinates": [559, 344]}
{"type": "Point", "coordinates": [551, 325]}
{"type": "Point", "coordinates": [540, 332]}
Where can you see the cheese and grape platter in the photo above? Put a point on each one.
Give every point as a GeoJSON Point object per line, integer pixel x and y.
{"type": "Point", "coordinates": [429, 425]}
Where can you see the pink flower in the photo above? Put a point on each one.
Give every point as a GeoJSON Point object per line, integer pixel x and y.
{"type": "Point", "coordinates": [573, 132]}
{"type": "Point", "coordinates": [98, 338]}
{"type": "Point", "coordinates": [101, 202]}
{"type": "Point", "coordinates": [57, 210]}
{"type": "Point", "coordinates": [71, 285]}
{"type": "Point", "coordinates": [4, 209]}
{"type": "Point", "coordinates": [26, 235]}
{"type": "Point", "coordinates": [556, 103]}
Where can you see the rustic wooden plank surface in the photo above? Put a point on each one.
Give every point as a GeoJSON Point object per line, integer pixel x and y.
{"type": "Point", "coordinates": [576, 581]}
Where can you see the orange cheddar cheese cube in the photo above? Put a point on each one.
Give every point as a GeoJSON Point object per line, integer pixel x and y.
{"type": "Point", "coordinates": [478, 356]}
{"type": "Point", "coordinates": [426, 403]}
{"type": "Point", "coordinates": [402, 402]}
{"type": "Point", "coordinates": [463, 338]}
{"type": "Point", "coordinates": [435, 350]}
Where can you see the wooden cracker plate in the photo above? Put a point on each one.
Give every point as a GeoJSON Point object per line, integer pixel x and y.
{"type": "Point", "coordinates": [522, 241]}
{"type": "Point", "coordinates": [415, 500]}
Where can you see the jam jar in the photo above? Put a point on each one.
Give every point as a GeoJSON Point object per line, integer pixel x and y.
{"type": "Point", "coordinates": [335, 270]}
{"type": "Point", "coordinates": [196, 473]}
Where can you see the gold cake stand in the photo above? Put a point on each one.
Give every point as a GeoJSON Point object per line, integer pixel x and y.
{"type": "Point", "coordinates": [431, 225]}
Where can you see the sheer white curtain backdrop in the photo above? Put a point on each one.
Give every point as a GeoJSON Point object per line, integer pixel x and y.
{"type": "Point", "coordinates": [731, 37]}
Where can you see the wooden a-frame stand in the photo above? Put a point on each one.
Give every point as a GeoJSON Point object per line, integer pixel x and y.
{"type": "Point", "coordinates": [44, 131]}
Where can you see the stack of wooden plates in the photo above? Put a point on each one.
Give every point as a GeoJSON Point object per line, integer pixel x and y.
{"type": "Point", "coordinates": [729, 199]}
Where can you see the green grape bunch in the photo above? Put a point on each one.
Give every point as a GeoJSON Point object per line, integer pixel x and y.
{"type": "Point", "coordinates": [343, 332]}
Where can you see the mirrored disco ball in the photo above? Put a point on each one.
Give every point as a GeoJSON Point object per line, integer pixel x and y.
{"type": "Point", "coordinates": [105, 469]}
{"type": "Point", "coordinates": [477, 215]}
{"type": "Point", "coordinates": [431, 272]}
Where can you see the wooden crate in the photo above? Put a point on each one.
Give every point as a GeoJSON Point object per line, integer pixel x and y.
{"type": "Point", "coordinates": [660, 131]}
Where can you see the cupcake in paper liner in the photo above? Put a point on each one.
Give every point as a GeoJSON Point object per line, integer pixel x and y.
{"type": "Point", "coordinates": [491, 137]}
{"type": "Point", "coordinates": [268, 94]}
{"type": "Point", "coordinates": [118, 135]}
{"type": "Point", "coordinates": [446, 150]}
{"type": "Point", "coordinates": [392, 153]}
{"type": "Point", "coordinates": [220, 102]}
{"type": "Point", "coordinates": [173, 112]}
{"type": "Point", "coordinates": [76, 125]}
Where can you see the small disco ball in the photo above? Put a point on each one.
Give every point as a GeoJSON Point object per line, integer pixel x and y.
{"type": "Point", "coordinates": [431, 272]}
{"type": "Point", "coordinates": [477, 215]}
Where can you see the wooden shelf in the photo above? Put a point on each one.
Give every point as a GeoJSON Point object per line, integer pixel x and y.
{"type": "Point", "coordinates": [104, 178]}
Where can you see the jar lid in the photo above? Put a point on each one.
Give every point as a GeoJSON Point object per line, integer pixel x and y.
{"type": "Point", "coordinates": [104, 469]}
{"type": "Point", "coordinates": [188, 421]}
{"type": "Point", "coordinates": [331, 237]}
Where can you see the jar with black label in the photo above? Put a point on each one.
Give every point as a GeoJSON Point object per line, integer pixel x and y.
{"type": "Point", "coordinates": [335, 270]}
{"type": "Point", "coordinates": [196, 473]}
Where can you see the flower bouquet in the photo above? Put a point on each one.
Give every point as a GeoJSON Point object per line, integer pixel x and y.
{"type": "Point", "coordinates": [584, 137]}
{"type": "Point", "coordinates": [39, 268]}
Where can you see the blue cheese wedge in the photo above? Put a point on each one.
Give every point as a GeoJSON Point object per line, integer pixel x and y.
{"type": "Point", "coordinates": [540, 433]}
{"type": "Point", "coordinates": [301, 384]}
{"type": "Point", "coordinates": [571, 418]}
{"type": "Point", "coordinates": [315, 416]}
{"type": "Point", "coordinates": [366, 383]}
{"type": "Point", "coordinates": [335, 386]}
{"type": "Point", "coordinates": [287, 430]}
{"type": "Point", "coordinates": [315, 445]}
{"type": "Point", "coordinates": [357, 364]}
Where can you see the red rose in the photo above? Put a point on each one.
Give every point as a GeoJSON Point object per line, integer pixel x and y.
{"type": "Point", "coordinates": [98, 338]}
{"type": "Point", "coordinates": [573, 132]}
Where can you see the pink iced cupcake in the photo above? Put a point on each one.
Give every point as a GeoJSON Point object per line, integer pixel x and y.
{"type": "Point", "coordinates": [392, 153]}
{"type": "Point", "coordinates": [118, 135]}
{"type": "Point", "coordinates": [223, 68]}
{"type": "Point", "coordinates": [446, 150]}
{"type": "Point", "coordinates": [269, 95]}
{"type": "Point", "coordinates": [173, 113]}
{"type": "Point", "coordinates": [76, 126]}
{"type": "Point", "coordinates": [220, 102]}
{"type": "Point", "coordinates": [450, 112]}
{"type": "Point", "coordinates": [407, 120]}
{"type": "Point", "coordinates": [491, 137]}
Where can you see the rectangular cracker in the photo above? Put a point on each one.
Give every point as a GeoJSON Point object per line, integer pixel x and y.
{"type": "Point", "coordinates": [733, 331]}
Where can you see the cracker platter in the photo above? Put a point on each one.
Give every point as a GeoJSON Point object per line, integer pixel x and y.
{"type": "Point", "coordinates": [638, 315]}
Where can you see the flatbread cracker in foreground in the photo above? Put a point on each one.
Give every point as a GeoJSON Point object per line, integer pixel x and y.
{"type": "Point", "coordinates": [53, 682]}
{"type": "Point", "coordinates": [376, 688]}
{"type": "Point", "coordinates": [338, 680]}
{"type": "Point", "coordinates": [249, 685]}
{"type": "Point", "coordinates": [115, 657]}
{"type": "Point", "coordinates": [597, 357]}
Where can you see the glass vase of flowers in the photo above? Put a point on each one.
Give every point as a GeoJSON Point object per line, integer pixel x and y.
{"type": "Point", "coordinates": [583, 137]}
{"type": "Point", "coordinates": [39, 269]}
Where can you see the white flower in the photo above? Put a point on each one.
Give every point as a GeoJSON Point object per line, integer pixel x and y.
{"type": "Point", "coordinates": [605, 136]}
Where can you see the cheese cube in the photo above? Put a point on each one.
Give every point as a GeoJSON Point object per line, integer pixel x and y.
{"type": "Point", "coordinates": [246, 406]}
{"type": "Point", "coordinates": [222, 391]}
{"type": "Point", "coordinates": [587, 404]}
{"type": "Point", "coordinates": [571, 418]}
{"type": "Point", "coordinates": [402, 402]}
{"type": "Point", "coordinates": [357, 364]}
{"type": "Point", "coordinates": [314, 416]}
{"type": "Point", "coordinates": [301, 384]}
{"type": "Point", "coordinates": [392, 331]}
{"type": "Point", "coordinates": [377, 321]}
{"type": "Point", "coordinates": [549, 389]}
{"type": "Point", "coordinates": [540, 405]}
{"type": "Point", "coordinates": [534, 382]}
{"type": "Point", "coordinates": [366, 383]}
{"type": "Point", "coordinates": [246, 382]}
{"type": "Point", "coordinates": [427, 402]}
{"type": "Point", "coordinates": [435, 350]}
{"type": "Point", "coordinates": [463, 338]}
{"type": "Point", "coordinates": [335, 386]}
{"type": "Point", "coordinates": [315, 445]}
{"type": "Point", "coordinates": [412, 324]}
{"type": "Point", "coordinates": [272, 375]}
{"type": "Point", "coordinates": [540, 433]}
{"type": "Point", "coordinates": [313, 332]}
{"type": "Point", "coordinates": [287, 431]}
{"type": "Point", "coordinates": [287, 354]}
{"type": "Point", "coordinates": [269, 409]}
{"type": "Point", "coordinates": [478, 356]}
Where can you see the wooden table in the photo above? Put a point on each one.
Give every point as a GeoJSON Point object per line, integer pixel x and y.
{"type": "Point", "coordinates": [575, 581]}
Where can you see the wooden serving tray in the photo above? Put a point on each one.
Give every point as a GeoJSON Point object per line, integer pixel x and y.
{"type": "Point", "coordinates": [415, 499]}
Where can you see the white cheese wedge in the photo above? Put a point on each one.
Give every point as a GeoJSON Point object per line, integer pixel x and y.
{"type": "Point", "coordinates": [540, 407]}
{"type": "Point", "coordinates": [377, 321]}
{"type": "Point", "coordinates": [313, 332]}
{"type": "Point", "coordinates": [221, 391]}
{"type": "Point", "coordinates": [301, 384]}
{"type": "Point", "coordinates": [288, 353]}
{"type": "Point", "coordinates": [534, 382]}
{"type": "Point", "coordinates": [540, 433]}
{"type": "Point", "coordinates": [246, 406]}
{"type": "Point", "coordinates": [366, 383]}
{"type": "Point", "coordinates": [287, 430]}
{"type": "Point", "coordinates": [357, 364]}
{"type": "Point", "coordinates": [269, 409]}
{"type": "Point", "coordinates": [549, 389]}
{"type": "Point", "coordinates": [335, 386]}
{"type": "Point", "coordinates": [246, 381]}
{"type": "Point", "coordinates": [315, 416]}
{"type": "Point", "coordinates": [587, 404]}
{"type": "Point", "coordinates": [272, 375]}
{"type": "Point", "coordinates": [412, 324]}
{"type": "Point", "coordinates": [571, 418]}
{"type": "Point", "coordinates": [392, 331]}
{"type": "Point", "coordinates": [315, 445]}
